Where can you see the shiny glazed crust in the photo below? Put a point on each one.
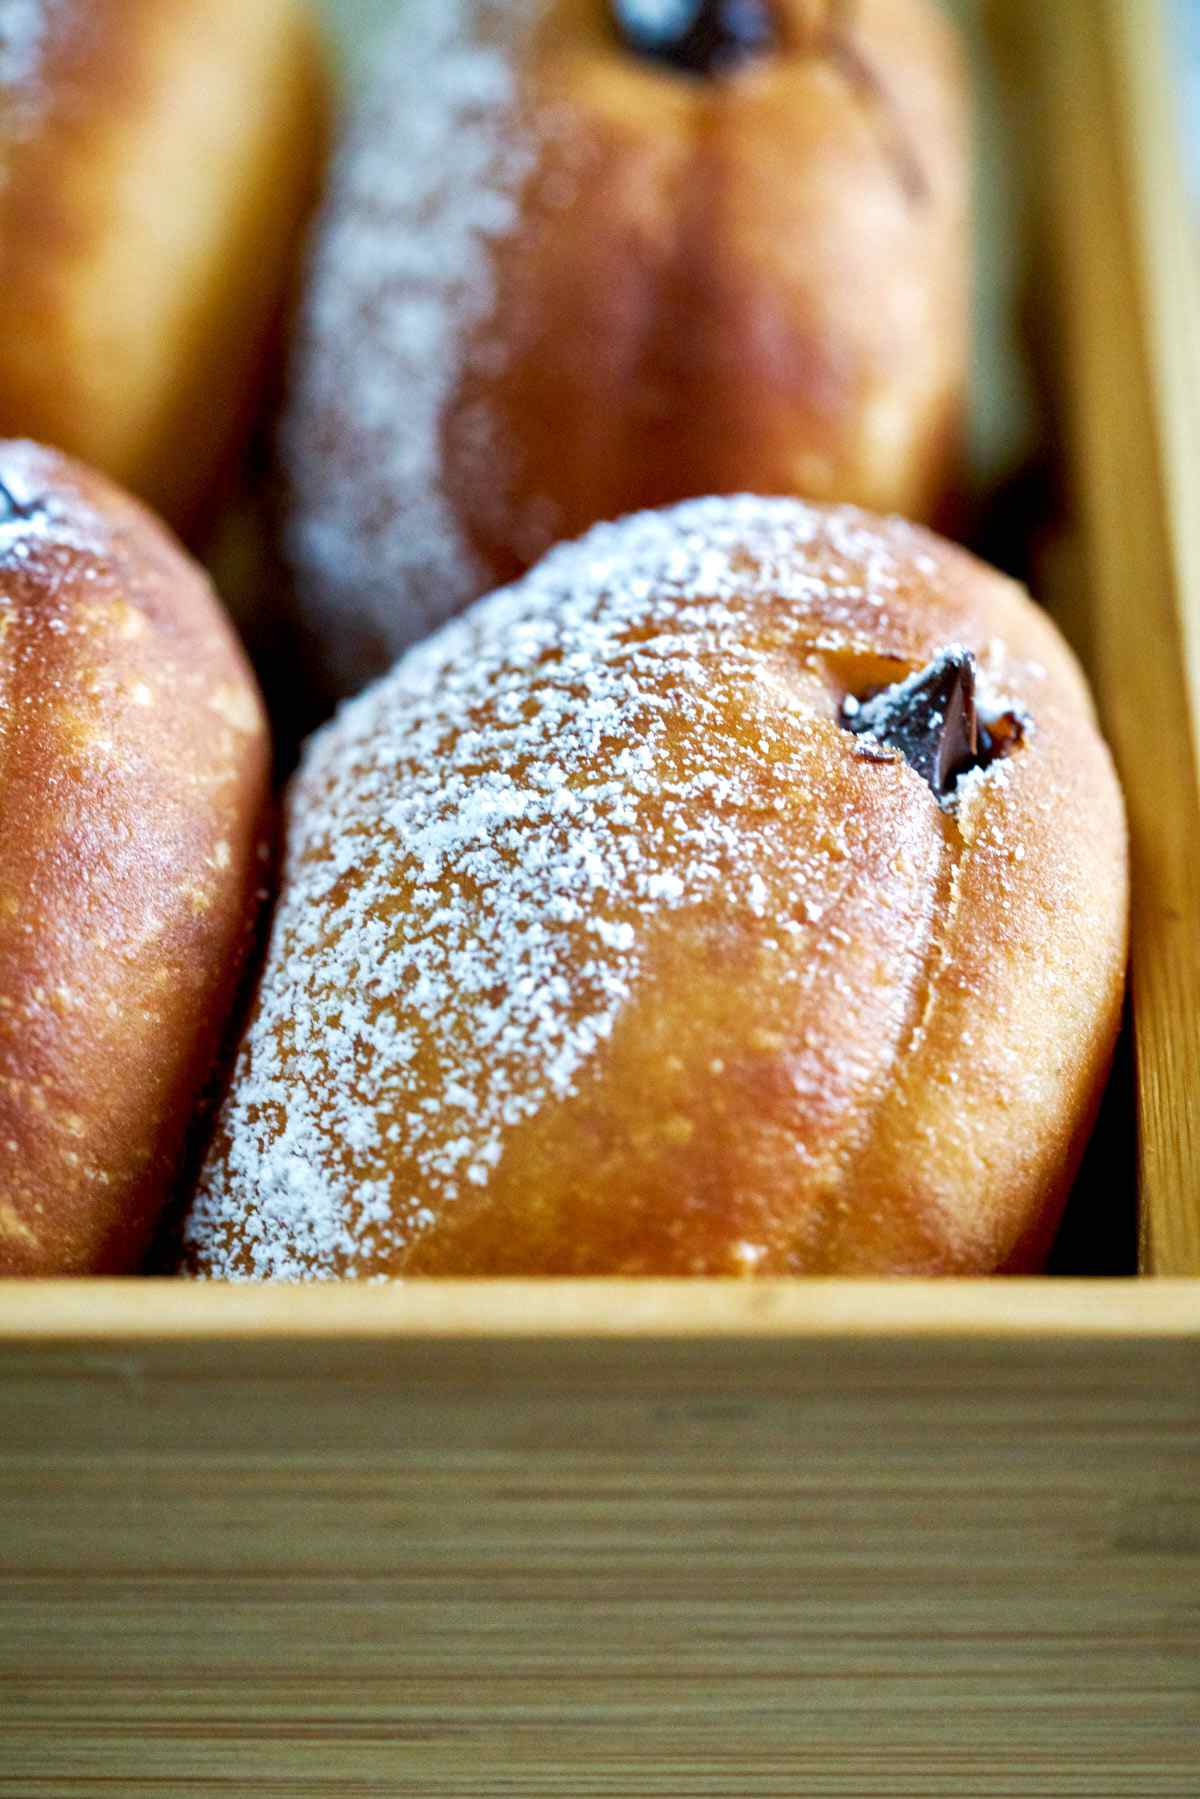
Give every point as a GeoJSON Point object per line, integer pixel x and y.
{"type": "Point", "coordinates": [670, 286]}
{"type": "Point", "coordinates": [159, 158]}
{"type": "Point", "coordinates": [134, 767]}
{"type": "Point", "coordinates": [603, 948]}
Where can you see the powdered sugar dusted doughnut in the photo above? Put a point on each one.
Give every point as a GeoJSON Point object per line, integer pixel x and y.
{"type": "Point", "coordinates": [158, 159]}
{"type": "Point", "coordinates": [609, 943]}
{"type": "Point", "coordinates": [559, 277]}
{"type": "Point", "coordinates": [135, 770]}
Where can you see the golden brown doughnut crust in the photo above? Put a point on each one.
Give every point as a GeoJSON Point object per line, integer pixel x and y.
{"type": "Point", "coordinates": [159, 158]}
{"type": "Point", "coordinates": [557, 281]}
{"type": "Point", "coordinates": [134, 768]}
{"type": "Point", "coordinates": [604, 948]}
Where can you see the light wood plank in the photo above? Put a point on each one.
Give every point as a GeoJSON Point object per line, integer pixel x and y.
{"type": "Point", "coordinates": [1120, 244]}
{"type": "Point", "coordinates": [125, 1312]}
{"type": "Point", "coordinates": [740, 1566]}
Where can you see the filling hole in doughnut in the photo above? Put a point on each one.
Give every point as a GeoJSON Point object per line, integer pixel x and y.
{"type": "Point", "coordinates": [697, 37]}
{"type": "Point", "coordinates": [13, 508]}
{"type": "Point", "coordinates": [718, 37]}
{"type": "Point", "coordinates": [934, 719]}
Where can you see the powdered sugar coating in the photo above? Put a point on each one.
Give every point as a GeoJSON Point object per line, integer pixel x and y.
{"type": "Point", "coordinates": [400, 278]}
{"type": "Point", "coordinates": [37, 523]}
{"type": "Point", "coordinates": [479, 844]}
{"type": "Point", "coordinates": [26, 32]}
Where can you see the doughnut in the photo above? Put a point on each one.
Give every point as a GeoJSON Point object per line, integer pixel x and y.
{"type": "Point", "coordinates": [135, 770]}
{"type": "Point", "coordinates": [158, 159]}
{"type": "Point", "coordinates": [741, 892]}
{"type": "Point", "coordinates": [570, 267]}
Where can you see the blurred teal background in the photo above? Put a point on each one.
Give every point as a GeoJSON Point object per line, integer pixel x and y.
{"type": "Point", "coordinates": [1188, 24]}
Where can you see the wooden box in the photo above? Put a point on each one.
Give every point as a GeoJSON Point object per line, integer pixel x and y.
{"type": "Point", "coordinates": [636, 1539]}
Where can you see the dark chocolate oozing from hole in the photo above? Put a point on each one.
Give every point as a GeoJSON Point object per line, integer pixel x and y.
{"type": "Point", "coordinates": [697, 37]}
{"type": "Point", "coordinates": [933, 719]}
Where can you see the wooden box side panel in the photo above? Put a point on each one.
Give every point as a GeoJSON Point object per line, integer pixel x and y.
{"type": "Point", "coordinates": [759, 1565]}
{"type": "Point", "coordinates": [1122, 240]}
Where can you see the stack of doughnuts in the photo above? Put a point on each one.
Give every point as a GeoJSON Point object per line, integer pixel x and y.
{"type": "Point", "coordinates": [711, 876]}
{"type": "Point", "coordinates": [158, 159]}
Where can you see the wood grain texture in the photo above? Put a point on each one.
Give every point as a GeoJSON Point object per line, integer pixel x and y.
{"type": "Point", "coordinates": [158, 1312]}
{"type": "Point", "coordinates": [739, 1565]}
{"type": "Point", "coordinates": [1121, 243]}
{"type": "Point", "coordinates": [672, 1541]}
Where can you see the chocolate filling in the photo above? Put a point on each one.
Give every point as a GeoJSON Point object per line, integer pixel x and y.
{"type": "Point", "coordinates": [697, 37]}
{"type": "Point", "coordinates": [933, 720]}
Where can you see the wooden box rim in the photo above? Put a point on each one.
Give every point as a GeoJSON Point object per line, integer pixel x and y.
{"type": "Point", "coordinates": [136, 1310]}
